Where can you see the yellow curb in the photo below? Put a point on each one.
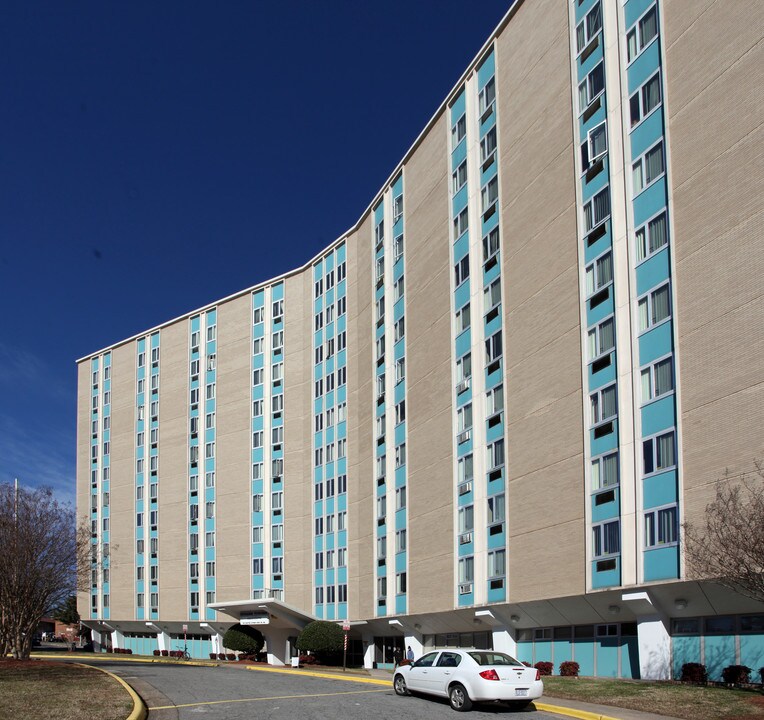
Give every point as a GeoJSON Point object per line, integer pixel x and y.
{"type": "Point", "coordinates": [139, 707]}
{"type": "Point", "coordinates": [330, 676]}
{"type": "Point", "coordinates": [126, 658]}
{"type": "Point", "coordinates": [572, 712]}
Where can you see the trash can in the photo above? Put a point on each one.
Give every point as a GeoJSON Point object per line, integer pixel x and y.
{"type": "Point", "coordinates": [296, 661]}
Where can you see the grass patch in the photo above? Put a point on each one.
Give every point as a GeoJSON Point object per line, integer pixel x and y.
{"type": "Point", "coordinates": [663, 698]}
{"type": "Point", "coordinates": [57, 691]}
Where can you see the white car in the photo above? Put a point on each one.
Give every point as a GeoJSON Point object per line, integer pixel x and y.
{"type": "Point", "coordinates": [467, 676]}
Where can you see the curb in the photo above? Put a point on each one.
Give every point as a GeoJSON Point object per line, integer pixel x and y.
{"type": "Point", "coordinates": [139, 707]}
{"type": "Point", "coordinates": [557, 709]}
{"type": "Point", "coordinates": [125, 658]}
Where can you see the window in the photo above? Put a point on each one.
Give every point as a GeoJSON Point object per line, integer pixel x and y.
{"type": "Point", "coordinates": [489, 194]}
{"type": "Point", "coordinates": [659, 453]}
{"type": "Point", "coordinates": [277, 469]}
{"type": "Point", "coordinates": [466, 519]}
{"type": "Point", "coordinates": [342, 412]}
{"type": "Point", "coordinates": [495, 400]}
{"type": "Point", "coordinates": [400, 455]}
{"type": "Point", "coordinates": [497, 564]}
{"type": "Point", "coordinates": [257, 376]}
{"type": "Point", "coordinates": [464, 368]}
{"type": "Point", "coordinates": [341, 340]}
{"type": "Point", "coordinates": [258, 315]}
{"type": "Point", "coordinates": [487, 95]}
{"type": "Point", "coordinates": [342, 267]}
{"type": "Point", "coordinates": [398, 289]}
{"type": "Point", "coordinates": [400, 370]}
{"type": "Point", "coordinates": [141, 359]}
{"type": "Point", "coordinates": [382, 547]}
{"type": "Point", "coordinates": [588, 27]}
{"type": "Point", "coordinates": [488, 145]}
{"type": "Point", "coordinates": [605, 471]}
{"type": "Point", "coordinates": [490, 244]}
{"type": "Point", "coordinates": [319, 321]}
{"type": "Point", "coordinates": [257, 471]}
{"type": "Point", "coordinates": [258, 566]}
{"type": "Point", "coordinates": [601, 338]}
{"type": "Point", "coordinates": [459, 177]}
{"type": "Point", "coordinates": [341, 305]}
{"type": "Point", "coordinates": [655, 307]}
{"type": "Point", "coordinates": [277, 533]}
{"type": "Point", "coordinates": [330, 417]}
{"type": "Point", "coordinates": [599, 274]}
{"type": "Point", "coordinates": [400, 498]}
{"type": "Point", "coordinates": [211, 362]}
{"type": "Point", "coordinates": [495, 509]}
{"type": "Point", "coordinates": [210, 391]}
{"type": "Point", "coordinates": [257, 408]}
{"type": "Point", "coordinates": [277, 373]}
{"type": "Point", "coordinates": [400, 412]}
{"type": "Point", "coordinates": [319, 456]}
{"type": "Point", "coordinates": [209, 510]}
{"type": "Point", "coordinates": [382, 587]}
{"type": "Point", "coordinates": [139, 438]}
{"type": "Point", "coordinates": [319, 561]}
{"type": "Point", "coordinates": [380, 308]}
{"type": "Point", "coordinates": [461, 223]}
{"type": "Point", "coordinates": [493, 348]}
{"type": "Point", "coordinates": [642, 33]}
{"type": "Point", "coordinates": [209, 539]}
{"type": "Point", "coordinates": [462, 270]}
{"type": "Point", "coordinates": [603, 405]}
{"type": "Point", "coordinates": [594, 146]}
{"type": "Point", "coordinates": [597, 210]}
{"type": "Point", "coordinates": [458, 131]}
{"type": "Point", "coordinates": [492, 295]}
{"type": "Point", "coordinates": [209, 569]}
{"type": "Point", "coordinates": [400, 583]}
{"type": "Point", "coordinates": [330, 280]}
{"type": "Point", "coordinates": [278, 340]}
{"type": "Point", "coordinates": [257, 534]}
{"type": "Point", "coordinates": [464, 418]}
{"type": "Point", "coordinates": [657, 379]}
{"type": "Point", "coordinates": [397, 208]}
{"type": "Point", "coordinates": [379, 233]}
{"type": "Point", "coordinates": [462, 318]}
{"type": "Point", "coordinates": [647, 169]}
{"type": "Point", "coordinates": [209, 420]}
{"type": "Point", "coordinates": [318, 288]}
{"type": "Point", "coordinates": [645, 100]}
{"type": "Point", "coordinates": [257, 439]}
{"type": "Point", "coordinates": [330, 453]}
{"type": "Point", "coordinates": [257, 503]}
{"type": "Point", "coordinates": [466, 570]}
{"type": "Point", "coordinates": [651, 237]}
{"type": "Point", "coordinates": [278, 310]}
{"type": "Point", "coordinates": [342, 484]}
{"type": "Point", "coordinates": [154, 355]}
{"type": "Point", "coordinates": [342, 520]}
{"type": "Point", "coordinates": [380, 347]}
{"type": "Point", "coordinates": [464, 469]}
{"type": "Point", "coordinates": [495, 455]}
{"type": "Point", "coordinates": [606, 539]}
{"type": "Point", "coordinates": [381, 385]}
{"type": "Point", "coordinates": [591, 87]}
{"type": "Point", "coordinates": [661, 527]}
{"type": "Point", "coordinates": [400, 541]}
{"type": "Point", "coordinates": [381, 506]}
{"type": "Point", "coordinates": [277, 435]}
{"type": "Point", "coordinates": [399, 329]}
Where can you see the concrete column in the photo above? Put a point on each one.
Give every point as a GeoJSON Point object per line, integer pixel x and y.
{"type": "Point", "coordinates": [277, 645]}
{"type": "Point", "coordinates": [163, 640]}
{"type": "Point", "coordinates": [503, 641]}
{"type": "Point", "coordinates": [368, 651]}
{"type": "Point", "coordinates": [415, 642]}
{"type": "Point", "coordinates": [117, 639]}
{"type": "Point", "coordinates": [654, 648]}
{"type": "Point", "coordinates": [98, 641]}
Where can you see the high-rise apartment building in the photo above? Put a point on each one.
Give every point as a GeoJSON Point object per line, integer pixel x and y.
{"type": "Point", "coordinates": [481, 415]}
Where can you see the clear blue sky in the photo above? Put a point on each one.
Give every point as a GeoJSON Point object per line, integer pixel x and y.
{"type": "Point", "coordinates": [157, 156]}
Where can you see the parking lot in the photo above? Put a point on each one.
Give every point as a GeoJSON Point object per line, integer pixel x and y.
{"type": "Point", "coordinates": [233, 693]}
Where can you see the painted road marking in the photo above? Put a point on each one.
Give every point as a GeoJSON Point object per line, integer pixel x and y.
{"type": "Point", "coordinates": [263, 699]}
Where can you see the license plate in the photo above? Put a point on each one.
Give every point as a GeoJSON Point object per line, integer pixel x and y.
{"type": "Point", "coordinates": [521, 692]}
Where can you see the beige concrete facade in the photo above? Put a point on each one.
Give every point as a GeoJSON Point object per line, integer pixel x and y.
{"type": "Point", "coordinates": [715, 104]}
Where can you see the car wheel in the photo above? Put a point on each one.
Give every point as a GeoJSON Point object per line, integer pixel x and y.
{"type": "Point", "coordinates": [458, 697]}
{"type": "Point", "coordinates": [399, 685]}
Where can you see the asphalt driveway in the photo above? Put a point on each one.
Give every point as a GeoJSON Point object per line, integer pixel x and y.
{"type": "Point", "coordinates": [177, 692]}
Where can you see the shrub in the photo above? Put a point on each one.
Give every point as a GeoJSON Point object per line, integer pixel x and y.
{"type": "Point", "coordinates": [761, 672]}
{"type": "Point", "coordinates": [156, 653]}
{"type": "Point", "coordinates": [736, 674]}
{"type": "Point", "coordinates": [323, 638]}
{"type": "Point", "coordinates": [569, 668]}
{"type": "Point", "coordinates": [243, 638]}
{"type": "Point", "coordinates": [527, 664]}
{"type": "Point", "coordinates": [307, 659]}
{"type": "Point", "coordinates": [221, 656]}
{"type": "Point", "coordinates": [231, 656]}
{"type": "Point", "coordinates": [544, 668]}
{"type": "Point", "coordinates": [694, 673]}
{"type": "Point", "coordinates": [129, 651]}
{"type": "Point", "coordinates": [404, 662]}
{"type": "Point", "coordinates": [165, 653]}
{"type": "Point", "coordinates": [213, 656]}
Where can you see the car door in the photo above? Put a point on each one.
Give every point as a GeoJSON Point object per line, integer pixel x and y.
{"type": "Point", "coordinates": [440, 675]}
{"type": "Point", "coordinates": [419, 673]}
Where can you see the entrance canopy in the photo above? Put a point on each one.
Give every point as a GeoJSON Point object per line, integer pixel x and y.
{"type": "Point", "coordinates": [273, 614]}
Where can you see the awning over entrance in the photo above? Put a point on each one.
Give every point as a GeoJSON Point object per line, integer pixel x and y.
{"type": "Point", "coordinates": [273, 613]}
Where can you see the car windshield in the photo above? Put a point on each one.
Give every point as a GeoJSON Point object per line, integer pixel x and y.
{"type": "Point", "coordinates": [493, 658]}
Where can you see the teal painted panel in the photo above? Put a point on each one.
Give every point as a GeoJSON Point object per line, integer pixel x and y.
{"type": "Point", "coordinates": [494, 433]}
{"type": "Point", "coordinates": [630, 658]}
{"type": "Point", "coordinates": [583, 8]}
{"type": "Point", "coordinates": [644, 66]}
{"type": "Point", "coordinates": [399, 350]}
{"type": "Point", "coordinates": [491, 274]}
{"type": "Point", "coordinates": [466, 599]}
{"type": "Point", "coordinates": [400, 604]}
{"type": "Point", "coordinates": [660, 489]}
{"type": "Point", "coordinates": [752, 652]}
{"type": "Point", "coordinates": [461, 247]}
{"type": "Point", "coordinates": [497, 594]}
{"type": "Point", "coordinates": [400, 391]}
{"type": "Point", "coordinates": [458, 107]}
{"type": "Point", "coordinates": [599, 247]}
{"type": "Point", "coordinates": [634, 9]}
{"type": "Point", "coordinates": [603, 444]}
{"type": "Point", "coordinates": [607, 510]}
{"type": "Point", "coordinates": [597, 117]}
{"type": "Point", "coordinates": [652, 271]}
{"type": "Point", "coordinates": [400, 433]}
{"type": "Point", "coordinates": [719, 652]}
{"type": "Point", "coordinates": [341, 251]}
{"type": "Point", "coordinates": [583, 654]}
{"type": "Point", "coordinates": [493, 326]}
{"type": "Point", "coordinates": [458, 154]}
{"type": "Point", "coordinates": [585, 66]}
{"type": "Point", "coordinates": [400, 562]}
{"type": "Point", "coordinates": [379, 213]}
{"type": "Point", "coordinates": [525, 652]}
{"type": "Point", "coordinates": [495, 486]}
{"type": "Point", "coordinates": [398, 310]}
{"type": "Point", "coordinates": [602, 178]}
{"type": "Point", "coordinates": [563, 651]}
{"type": "Point", "coordinates": [649, 202]}
{"type": "Point", "coordinates": [661, 563]}
{"type": "Point", "coordinates": [491, 223]}
{"type": "Point", "coordinates": [608, 578]}
{"type": "Point", "coordinates": [647, 133]}
{"type": "Point", "coordinates": [607, 657]}
{"type": "Point", "coordinates": [486, 70]}
{"type": "Point", "coordinates": [459, 201]}
{"type": "Point", "coordinates": [330, 610]}
{"type": "Point", "coordinates": [658, 415]}
{"type": "Point", "coordinates": [600, 312]}
{"type": "Point", "coordinates": [400, 519]}
{"type": "Point", "coordinates": [604, 376]}
{"type": "Point", "coordinates": [462, 296]}
{"type": "Point", "coordinates": [398, 185]}
{"type": "Point", "coordinates": [463, 343]}
{"type": "Point", "coordinates": [542, 651]}
{"type": "Point", "coordinates": [496, 541]}
{"type": "Point", "coordinates": [655, 342]}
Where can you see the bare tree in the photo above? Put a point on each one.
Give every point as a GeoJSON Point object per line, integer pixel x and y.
{"type": "Point", "coordinates": [729, 547]}
{"type": "Point", "coordinates": [42, 551]}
